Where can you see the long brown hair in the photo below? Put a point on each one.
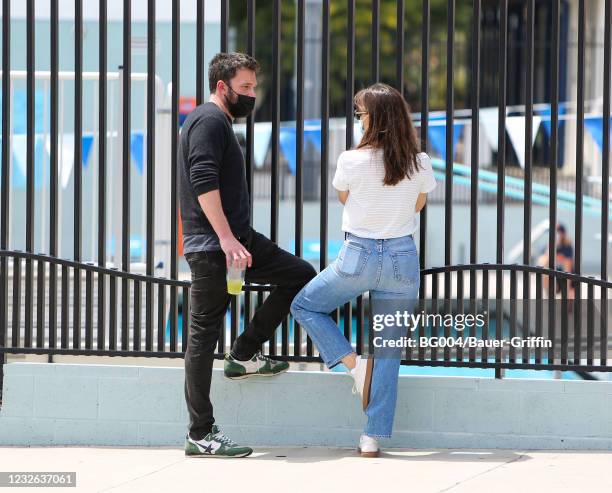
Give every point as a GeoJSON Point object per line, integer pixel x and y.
{"type": "Point", "coordinates": [390, 128]}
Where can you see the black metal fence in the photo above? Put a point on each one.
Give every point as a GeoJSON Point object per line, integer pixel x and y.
{"type": "Point", "coordinates": [50, 305]}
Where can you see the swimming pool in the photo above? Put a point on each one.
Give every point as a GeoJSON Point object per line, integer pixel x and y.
{"type": "Point", "coordinates": [413, 369]}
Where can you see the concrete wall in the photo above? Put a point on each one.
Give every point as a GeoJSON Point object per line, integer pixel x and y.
{"type": "Point", "coordinates": [53, 404]}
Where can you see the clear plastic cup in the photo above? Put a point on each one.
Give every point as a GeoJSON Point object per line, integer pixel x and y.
{"type": "Point", "coordinates": [235, 279]}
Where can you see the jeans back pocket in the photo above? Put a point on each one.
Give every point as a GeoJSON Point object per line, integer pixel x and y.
{"type": "Point", "coordinates": [351, 260]}
{"type": "Point", "coordinates": [406, 267]}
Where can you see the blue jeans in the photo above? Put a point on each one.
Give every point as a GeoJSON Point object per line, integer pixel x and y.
{"type": "Point", "coordinates": [389, 270]}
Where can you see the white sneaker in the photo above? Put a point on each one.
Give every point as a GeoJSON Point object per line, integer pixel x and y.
{"type": "Point", "coordinates": [362, 374]}
{"type": "Point", "coordinates": [368, 446]}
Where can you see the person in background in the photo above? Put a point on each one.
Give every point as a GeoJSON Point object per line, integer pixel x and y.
{"type": "Point", "coordinates": [564, 261]}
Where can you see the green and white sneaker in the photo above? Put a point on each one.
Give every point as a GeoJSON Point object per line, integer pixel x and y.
{"type": "Point", "coordinates": [215, 444]}
{"type": "Point", "coordinates": [258, 365]}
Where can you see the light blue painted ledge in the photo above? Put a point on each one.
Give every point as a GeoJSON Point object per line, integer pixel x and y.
{"type": "Point", "coordinates": [61, 404]}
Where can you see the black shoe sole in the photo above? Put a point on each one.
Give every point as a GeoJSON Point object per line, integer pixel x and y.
{"type": "Point", "coordinates": [249, 375]}
{"type": "Point", "coordinates": [213, 456]}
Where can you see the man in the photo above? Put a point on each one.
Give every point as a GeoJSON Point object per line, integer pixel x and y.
{"type": "Point", "coordinates": [216, 233]}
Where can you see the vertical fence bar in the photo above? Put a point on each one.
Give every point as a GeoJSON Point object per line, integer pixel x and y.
{"type": "Point", "coordinates": [424, 129]}
{"type": "Point", "coordinates": [527, 204]}
{"type": "Point", "coordinates": [125, 314]}
{"type": "Point", "coordinates": [434, 310]}
{"type": "Point", "coordinates": [526, 324]}
{"type": "Point", "coordinates": [53, 167]}
{"type": "Point", "coordinates": [360, 328]}
{"type": "Point", "coordinates": [4, 191]}
{"type": "Point", "coordinates": [151, 40]}
{"type": "Point", "coordinates": [475, 141]}
{"type": "Point", "coordinates": [64, 308]}
{"type": "Point", "coordinates": [224, 25]}
{"type": "Point", "coordinates": [375, 63]}
{"type": "Point", "coordinates": [348, 321]}
{"type": "Point", "coordinates": [324, 131]}
{"type": "Point", "coordinates": [501, 165]}
{"type": "Point", "coordinates": [529, 77]}
{"type": "Point", "coordinates": [350, 72]}
{"type": "Point", "coordinates": [250, 124]}
{"type": "Point", "coordinates": [349, 94]}
{"type": "Point", "coordinates": [248, 306]}
{"type": "Point", "coordinates": [272, 341]}
{"type": "Point", "coordinates": [474, 156]}
{"type": "Point", "coordinates": [590, 323]}
{"type": "Point", "coordinates": [112, 315]}
{"type": "Point", "coordinates": [276, 68]}
{"type": "Point", "coordinates": [460, 307]}
{"type": "Point", "coordinates": [76, 308]}
{"type": "Point", "coordinates": [285, 338]}
{"type": "Point", "coordinates": [399, 46]}
{"type": "Point", "coordinates": [102, 126]}
{"type": "Point", "coordinates": [88, 309]}
{"type": "Point", "coordinates": [30, 116]}
{"type": "Point", "coordinates": [185, 319]}
{"type": "Point", "coordinates": [234, 320]}
{"type": "Point", "coordinates": [539, 321]}
{"type": "Point", "coordinates": [484, 356]}
{"type": "Point", "coordinates": [126, 203]}
{"type": "Point", "coordinates": [299, 150]}
{"type": "Point", "coordinates": [450, 117]}
{"type": "Point", "coordinates": [161, 317]}
{"type": "Point", "coordinates": [324, 209]}
{"type": "Point", "coordinates": [564, 322]}
{"type": "Point", "coordinates": [16, 301]}
{"type": "Point", "coordinates": [422, 304]}
{"type": "Point", "coordinates": [200, 78]}
{"type": "Point", "coordinates": [579, 178]}
{"type": "Point", "coordinates": [136, 315]}
{"type": "Point", "coordinates": [552, 329]}
{"type": "Point", "coordinates": [234, 325]}
{"type": "Point", "coordinates": [40, 304]}
{"type": "Point", "coordinates": [605, 185]}
{"type": "Point", "coordinates": [554, 157]}
{"type": "Point", "coordinates": [176, 33]}
{"type": "Point", "coordinates": [78, 166]}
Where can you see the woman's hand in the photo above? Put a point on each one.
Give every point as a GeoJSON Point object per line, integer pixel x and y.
{"type": "Point", "coordinates": [420, 203]}
{"type": "Point", "coordinates": [342, 196]}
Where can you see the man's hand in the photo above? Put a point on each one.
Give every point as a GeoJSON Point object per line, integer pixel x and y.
{"type": "Point", "coordinates": [233, 249]}
{"type": "Point", "coordinates": [235, 252]}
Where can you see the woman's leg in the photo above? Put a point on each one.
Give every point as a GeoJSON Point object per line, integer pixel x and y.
{"type": "Point", "coordinates": [383, 392]}
{"type": "Point", "coordinates": [312, 307]}
{"type": "Point", "coordinates": [398, 291]}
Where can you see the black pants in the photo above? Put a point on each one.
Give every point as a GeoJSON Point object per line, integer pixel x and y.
{"type": "Point", "coordinates": [209, 303]}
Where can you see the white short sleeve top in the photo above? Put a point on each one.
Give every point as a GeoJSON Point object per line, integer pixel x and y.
{"type": "Point", "coordinates": [375, 210]}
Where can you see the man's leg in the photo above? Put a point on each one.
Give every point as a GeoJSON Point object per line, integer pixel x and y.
{"type": "Point", "coordinates": [271, 265]}
{"type": "Point", "coordinates": [208, 305]}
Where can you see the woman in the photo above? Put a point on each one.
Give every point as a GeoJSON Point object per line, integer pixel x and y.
{"type": "Point", "coordinates": [383, 184]}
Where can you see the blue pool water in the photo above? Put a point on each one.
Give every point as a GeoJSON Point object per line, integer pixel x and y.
{"type": "Point", "coordinates": [416, 370]}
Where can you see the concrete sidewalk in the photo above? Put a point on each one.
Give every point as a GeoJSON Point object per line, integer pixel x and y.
{"type": "Point", "coordinates": [320, 470]}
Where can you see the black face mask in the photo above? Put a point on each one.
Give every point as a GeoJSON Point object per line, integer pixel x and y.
{"type": "Point", "coordinates": [243, 105]}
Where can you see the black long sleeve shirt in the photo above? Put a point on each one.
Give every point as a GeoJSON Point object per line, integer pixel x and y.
{"type": "Point", "coordinates": [209, 158]}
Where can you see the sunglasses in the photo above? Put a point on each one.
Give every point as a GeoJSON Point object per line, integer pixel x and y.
{"type": "Point", "coordinates": [358, 114]}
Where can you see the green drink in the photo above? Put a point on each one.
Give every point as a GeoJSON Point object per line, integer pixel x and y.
{"type": "Point", "coordinates": [235, 280]}
{"type": "Point", "coordinates": [234, 286]}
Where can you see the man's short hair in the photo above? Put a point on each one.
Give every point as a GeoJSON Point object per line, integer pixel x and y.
{"type": "Point", "coordinates": [224, 66]}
